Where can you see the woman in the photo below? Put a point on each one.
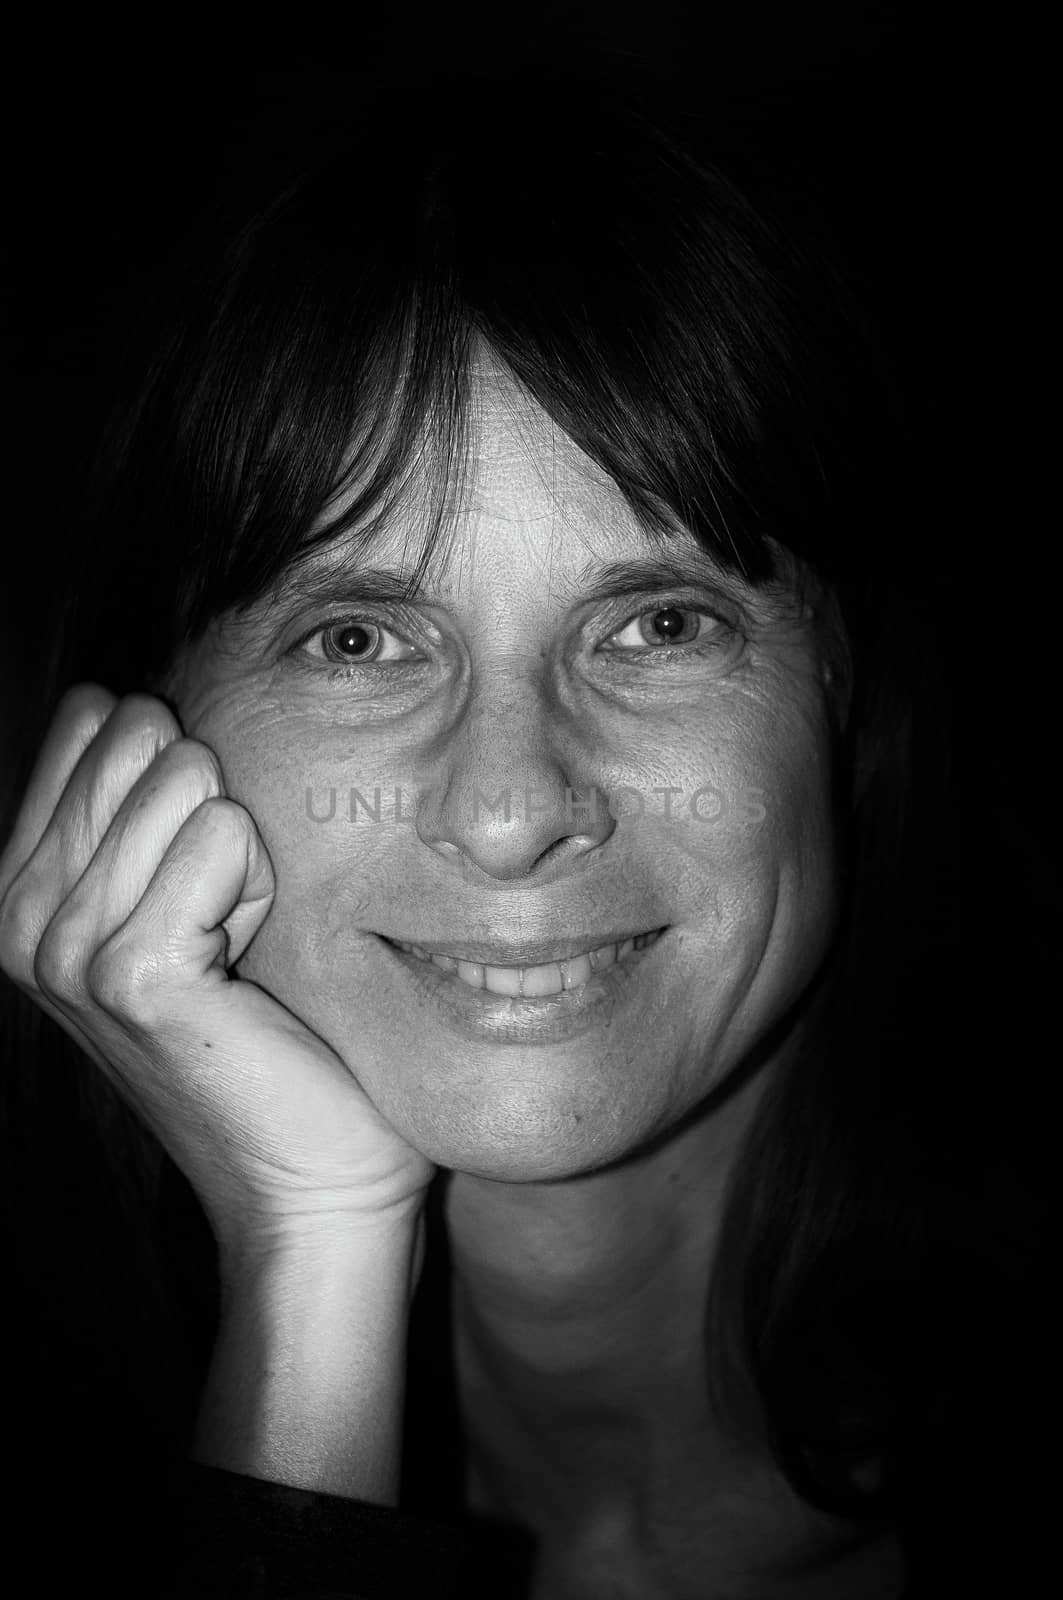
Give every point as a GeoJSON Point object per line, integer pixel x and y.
{"type": "Point", "coordinates": [488, 840]}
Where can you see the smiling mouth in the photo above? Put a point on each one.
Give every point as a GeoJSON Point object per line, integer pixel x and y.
{"type": "Point", "coordinates": [533, 982]}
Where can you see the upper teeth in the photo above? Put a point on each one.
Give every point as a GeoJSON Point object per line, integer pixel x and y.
{"type": "Point", "coordinates": [552, 977]}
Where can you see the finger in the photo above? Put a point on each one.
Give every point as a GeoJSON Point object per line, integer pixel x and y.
{"type": "Point", "coordinates": [125, 746]}
{"type": "Point", "coordinates": [138, 728]}
{"type": "Point", "coordinates": [183, 775]}
{"type": "Point", "coordinates": [80, 715]}
{"type": "Point", "coordinates": [215, 872]}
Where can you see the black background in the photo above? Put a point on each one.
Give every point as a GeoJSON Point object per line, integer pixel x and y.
{"type": "Point", "coordinates": [892, 118]}
{"type": "Point", "coordinates": [897, 122]}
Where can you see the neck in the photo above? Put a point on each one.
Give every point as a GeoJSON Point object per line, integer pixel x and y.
{"type": "Point", "coordinates": [582, 1367]}
{"type": "Point", "coordinates": [599, 1279]}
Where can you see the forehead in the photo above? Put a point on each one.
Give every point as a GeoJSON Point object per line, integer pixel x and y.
{"type": "Point", "coordinates": [520, 461]}
{"type": "Point", "coordinates": [524, 496]}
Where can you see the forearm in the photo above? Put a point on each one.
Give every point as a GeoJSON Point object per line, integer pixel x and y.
{"type": "Point", "coordinates": [307, 1379]}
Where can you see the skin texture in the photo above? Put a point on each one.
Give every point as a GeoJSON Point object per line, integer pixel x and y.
{"type": "Point", "coordinates": [588, 1175]}
{"type": "Point", "coordinates": [511, 691]}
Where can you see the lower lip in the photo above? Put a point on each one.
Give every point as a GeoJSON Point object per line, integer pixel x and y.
{"type": "Point", "coordinates": [547, 1019]}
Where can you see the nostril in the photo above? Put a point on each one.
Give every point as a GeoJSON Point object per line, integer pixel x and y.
{"type": "Point", "coordinates": [558, 852]}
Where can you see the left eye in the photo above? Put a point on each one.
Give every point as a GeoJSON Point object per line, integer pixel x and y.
{"type": "Point", "coordinates": [354, 642]}
{"type": "Point", "coordinates": [669, 625]}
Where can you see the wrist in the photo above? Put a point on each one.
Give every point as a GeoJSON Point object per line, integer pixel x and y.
{"type": "Point", "coordinates": [335, 1245]}
{"type": "Point", "coordinates": [307, 1380]}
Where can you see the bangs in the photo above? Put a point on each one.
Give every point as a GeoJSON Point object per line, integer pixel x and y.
{"type": "Point", "coordinates": [317, 347]}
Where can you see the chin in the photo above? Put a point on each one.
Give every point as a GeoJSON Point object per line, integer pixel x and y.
{"type": "Point", "coordinates": [525, 1134]}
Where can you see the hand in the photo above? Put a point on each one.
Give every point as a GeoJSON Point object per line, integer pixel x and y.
{"type": "Point", "coordinates": [129, 886]}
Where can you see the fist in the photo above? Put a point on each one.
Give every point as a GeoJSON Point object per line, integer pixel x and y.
{"type": "Point", "coordinates": [129, 887]}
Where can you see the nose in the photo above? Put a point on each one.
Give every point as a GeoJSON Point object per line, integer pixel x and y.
{"type": "Point", "coordinates": [510, 797]}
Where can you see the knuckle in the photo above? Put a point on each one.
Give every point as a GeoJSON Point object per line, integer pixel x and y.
{"type": "Point", "coordinates": [146, 721]}
{"type": "Point", "coordinates": [195, 764]}
{"type": "Point", "coordinates": [222, 819]}
{"type": "Point", "coordinates": [219, 832]}
{"type": "Point", "coordinates": [122, 979]}
{"type": "Point", "coordinates": [19, 925]}
{"type": "Point", "coordinates": [138, 733]}
{"type": "Point", "coordinates": [59, 962]}
{"type": "Point", "coordinates": [85, 703]}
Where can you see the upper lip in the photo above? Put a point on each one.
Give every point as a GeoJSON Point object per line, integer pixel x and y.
{"type": "Point", "coordinates": [500, 953]}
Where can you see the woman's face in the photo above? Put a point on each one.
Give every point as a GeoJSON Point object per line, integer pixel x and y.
{"type": "Point", "coordinates": [522, 677]}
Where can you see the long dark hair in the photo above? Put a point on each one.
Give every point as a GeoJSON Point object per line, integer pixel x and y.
{"type": "Point", "coordinates": [711, 359]}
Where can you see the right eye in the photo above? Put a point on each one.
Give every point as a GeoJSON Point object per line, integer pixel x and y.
{"type": "Point", "coordinates": [353, 642]}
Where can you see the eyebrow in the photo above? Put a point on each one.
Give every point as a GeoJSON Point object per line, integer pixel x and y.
{"type": "Point", "coordinates": [594, 581]}
{"type": "Point", "coordinates": [687, 567]}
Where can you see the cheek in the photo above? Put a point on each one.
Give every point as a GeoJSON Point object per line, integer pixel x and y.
{"type": "Point", "coordinates": [757, 867]}
{"type": "Point", "coordinates": [338, 869]}
{"type": "Point", "coordinates": [752, 798]}
{"type": "Point", "coordinates": [794, 868]}
{"type": "Point", "coordinates": [742, 854]}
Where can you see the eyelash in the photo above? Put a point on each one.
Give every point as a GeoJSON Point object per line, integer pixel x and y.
{"type": "Point", "coordinates": [339, 671]}
{"type": "Point", "coordinates": [723, 633]}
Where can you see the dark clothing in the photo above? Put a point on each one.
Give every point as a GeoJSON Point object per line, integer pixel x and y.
{"type": "Point", "coordinates": [244, 1539]}
{"type": "Point", "coordinates": [232, 1537]}
{"type": "Point", "coordinates": [207, 1534]}
{"type": "Point", "coordinates": [241, 1538]}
